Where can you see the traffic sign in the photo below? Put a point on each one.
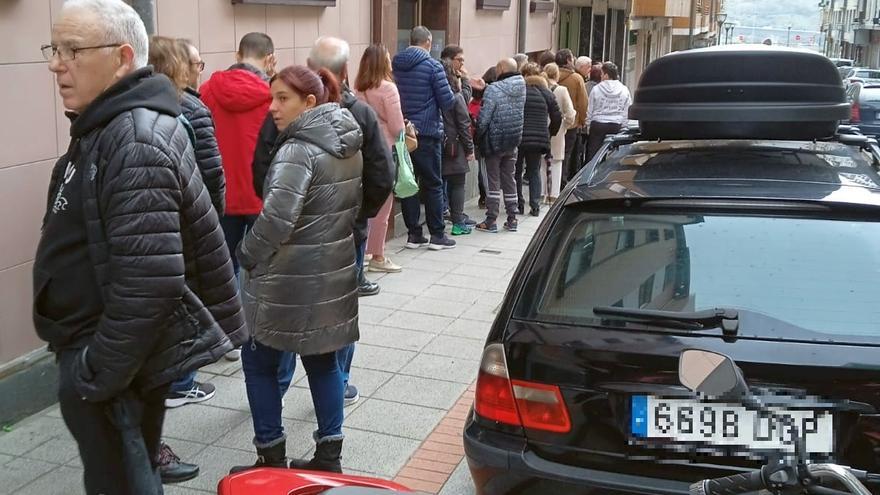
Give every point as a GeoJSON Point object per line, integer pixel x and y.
{"type": "Point", "coordinates": [797, 37]}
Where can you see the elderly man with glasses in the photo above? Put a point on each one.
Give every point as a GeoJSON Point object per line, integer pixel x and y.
{"type": "Point", "coordinates": [133, 285]}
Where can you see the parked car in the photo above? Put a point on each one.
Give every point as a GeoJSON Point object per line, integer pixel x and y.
{"type": "Point", "coordinates": [843, 62]}
{"type": "Point", "coordinates": [739, 218]}
{"type": "Point", "coordinates": [862, 75]}
{"type": "Point", "coordinates": [865, 108]}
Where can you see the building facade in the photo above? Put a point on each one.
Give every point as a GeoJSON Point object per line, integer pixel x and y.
{"type": "Point", "coordinates": [34, 130]}
{"type": "Point", "coordinates": [851, 29]}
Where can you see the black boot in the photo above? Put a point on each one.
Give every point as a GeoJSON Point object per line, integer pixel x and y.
{"type": "Point", "coordinates": [274, 456]}
{"type": "Point", "coordinates": [328, 455]}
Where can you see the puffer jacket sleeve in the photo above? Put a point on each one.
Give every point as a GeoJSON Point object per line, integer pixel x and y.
{"type": "Point", "coordinates": [289, 177]}
{"type": "Point", "coordinates": [142, 200]}
{"type": "Point", "coordinates": [553, 109]}
{"type": "Point", "coordinates": [207, 151]}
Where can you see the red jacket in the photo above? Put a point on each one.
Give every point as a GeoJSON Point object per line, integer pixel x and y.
{"type": "Point", "coordinates": [239, 101]}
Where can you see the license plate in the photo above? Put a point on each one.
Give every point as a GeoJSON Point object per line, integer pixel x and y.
{"type": "Point", "coordinates": [730, 425]}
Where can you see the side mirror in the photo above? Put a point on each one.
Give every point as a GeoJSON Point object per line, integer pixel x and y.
{"type": "Point", "coordinates": [710, 373]}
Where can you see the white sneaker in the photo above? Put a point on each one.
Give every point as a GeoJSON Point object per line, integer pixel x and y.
{"type": "Point", "coordinates": [386, 266]}
{"type": "Point", "coordinates": [234, 355]}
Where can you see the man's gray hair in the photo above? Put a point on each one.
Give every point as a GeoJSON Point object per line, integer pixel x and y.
{"type": "Point", "coordinates": [329, 53]}
{"type": "Point", "coordinates": [419, 36]}
{"type": "Point", "coordinates": [583, 61]}
{"type": "Point", "coordinates": [521, 59]}
{"type": "Point", "coordinates": [117, 23]}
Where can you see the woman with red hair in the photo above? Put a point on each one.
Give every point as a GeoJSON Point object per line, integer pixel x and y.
{"type": "Point", "coordinates": [300, 286]}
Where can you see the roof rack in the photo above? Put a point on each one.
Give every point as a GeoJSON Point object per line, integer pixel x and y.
{"type": "Point", "coordinates": [755, 92]}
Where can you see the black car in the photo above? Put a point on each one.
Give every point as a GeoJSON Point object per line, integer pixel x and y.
{"type": "Point", "coordinates": [739, 218]}
{"type": "Point", "coordinates": [865, 107]}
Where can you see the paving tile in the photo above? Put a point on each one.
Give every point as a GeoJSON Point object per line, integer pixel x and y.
{"type": "Point", "coordinates": [60, 449]}
{"type": "Point", "coordinates": [417, 321]}
{"type": "Point", "coordinates": [469, 329]}
{"type": "Point", "coordinates": [483, 272]}
{"type": "Point", "coordinates": [403, 284]}
{"type": "Point", "coordinates": [396, 338]}
{"type": "Point", "coordinates": [230, 394]}
{"type": "Point", "coordinates": [31, 433]}
{"type": "Point", "coordinates": [214, 463]}
{"type": "Point", "coordinates": [404, 420]}
{"type": "Point", "coordinates": [481, 313]}
{"type": "Point", "coordinates": [51, 411]}
{"type": "Point", "coordinates": [421, 391]}
{"type": "Point", "coordinates": [385, 299]}
{"type": "Point", "coordinates": [18, 472]}
{"type": "Point", "coordinates": [447, 345]}
{"type": "Point", "coordinates": [381, 358]}
{"type": "Point", "coordinates": [62, 480]}
{"type": "Point", "coordinates": [447, 368]}
{"type": "Point", "coordinates": [438, 307]}
{"type": "Point", "coordinates": [433, 265]}
{"type": "Point", "coordinates": [421, 485]}
{"type": "Point", "coordinates": [180, 490]}
{"type": "Point", "coordinates": [490, 300]}
{"type": "Point", "coordinates": [376, 452]}
{"type": "Point", "coordinates": [458, 294]}
{"type": "Point", "coordinates": [460, 482]}
{"type": "Point", "coordinates": [201, 423]}
{"type": "Point", "coordinates": [372, 314]}
{"type": "Point", "coordinates": [466, 282]}
{"type": "Point", "coordinates": [299, 437]}
{"type": "Point", "coordinates": [223, 367]}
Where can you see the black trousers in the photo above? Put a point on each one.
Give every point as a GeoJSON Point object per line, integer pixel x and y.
{"type": "Point", "coordinates": [528, 161]}
{"type": "Point", "coordinates": [598, 132]}
{"type": "Point", "coordinates": [99, 441]}
{"type": "Point", "coordinates": [573, 151]}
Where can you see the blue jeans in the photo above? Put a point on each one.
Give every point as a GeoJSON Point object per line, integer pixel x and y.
{"type": "Point", "coordinates": [426, 160]}
{"type": "Point", "coordinates": [264, 373]}
{"type": "Point", "coordinates": [184, 384]}
{"type": "Point", "coordinates": [344, 357]}
{"type": "Point", "coordinates": [235, 227]}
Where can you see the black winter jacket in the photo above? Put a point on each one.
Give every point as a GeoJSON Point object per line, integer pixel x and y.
{"type": "Point", "coordinates": [170, 303]}
{"type": "Point", "coordinates": [458, 144]}
{"type": "Point", "coordinates": [379, 170]}
{"type": "Point", "coordinates": [300, 285]}
{"type": "Point", "coordinates": [207, 152]}
{"type": "Point", "coordinates": [541, 118]}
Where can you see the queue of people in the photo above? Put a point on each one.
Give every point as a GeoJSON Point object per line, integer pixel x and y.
{"type": "Point", "coordinates": [213, 199]}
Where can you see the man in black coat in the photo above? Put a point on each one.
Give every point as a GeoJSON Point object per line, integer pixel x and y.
{"type": "Point", "coordinates": [133, 285]}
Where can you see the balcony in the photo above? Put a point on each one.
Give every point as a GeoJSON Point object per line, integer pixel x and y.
{"type": "Point", "coordinates": [661, 8]}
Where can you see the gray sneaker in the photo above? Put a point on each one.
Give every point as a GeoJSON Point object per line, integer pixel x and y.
{"type": "Point", "coordinates": [351, 395]}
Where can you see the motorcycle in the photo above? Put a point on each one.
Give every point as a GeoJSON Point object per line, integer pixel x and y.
{"type": "Point", "coordinates": [710, 374]}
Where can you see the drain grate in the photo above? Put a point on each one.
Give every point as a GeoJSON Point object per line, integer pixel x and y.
{"type": "Point", "coordinates": [490, 251]}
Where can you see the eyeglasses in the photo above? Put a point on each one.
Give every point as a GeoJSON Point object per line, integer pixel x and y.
{"type": "Point", "coordinates": [200, 64]}
{"type": "Point", "coordinates": [67, 53]}
{"type": "Point", "coordinates": [459, 59]}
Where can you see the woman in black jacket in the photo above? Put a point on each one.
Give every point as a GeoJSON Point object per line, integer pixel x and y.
{"type": "Point", "coordinates": [299, 284]}
{"type": "Point", "coordinates": [542, 119]}
{"type": "Point", "coordinates": [458, 151]}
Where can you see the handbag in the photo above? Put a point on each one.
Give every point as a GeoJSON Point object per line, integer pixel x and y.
{"type": "Point", "coordinates": [406, 179]}
{"type": "Point", "coordinates": [411, 136]}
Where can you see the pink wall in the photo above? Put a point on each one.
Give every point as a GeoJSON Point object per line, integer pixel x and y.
{"type": "Point", "coordinates": [34, 130]}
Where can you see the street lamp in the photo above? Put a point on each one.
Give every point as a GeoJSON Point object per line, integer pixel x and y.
{"type": "Point", "coordinates": [720, 18]}
{"type": "Point", "coordinates": [728, 29]}
{"type": "Point", "coordinates": [788, 37]}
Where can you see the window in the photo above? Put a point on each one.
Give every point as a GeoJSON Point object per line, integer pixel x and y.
{"type": "Point", "coordinates": [646, 292]}
{"type": "Point", "coordinates": [626, 239]}
{"type": "Point", "coordinates": [653, 235]}
{"type": "Point", "coordinates": [668, 234]}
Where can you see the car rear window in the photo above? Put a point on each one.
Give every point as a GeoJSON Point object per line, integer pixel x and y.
{"type": "Point", "coordinates": [869, 94]}
{"type": "Point", "coordinates": [820, 275]}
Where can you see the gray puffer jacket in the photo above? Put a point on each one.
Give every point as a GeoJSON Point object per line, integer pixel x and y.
{"type": "Point", "coordinates": [300, 285]}
{"type": "Point", "coordinates": [500, 123]}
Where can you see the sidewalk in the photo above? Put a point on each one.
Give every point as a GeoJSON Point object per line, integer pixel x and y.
{"type": "Point", "coordinates": [421, 341]}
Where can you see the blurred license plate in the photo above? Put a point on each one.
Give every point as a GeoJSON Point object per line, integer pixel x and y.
{"type": "Point", "coordinates": [692, 421]}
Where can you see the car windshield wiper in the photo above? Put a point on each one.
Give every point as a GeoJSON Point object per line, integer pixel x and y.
{"type": "Point", "coordinates": [726, 318]}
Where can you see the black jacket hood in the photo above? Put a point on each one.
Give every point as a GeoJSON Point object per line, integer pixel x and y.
{"type": "Point", "coordinates": [140, 89]}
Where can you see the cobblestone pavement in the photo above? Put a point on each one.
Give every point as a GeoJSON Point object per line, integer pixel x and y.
{"type": "Point", "coordinates": [421, 340]}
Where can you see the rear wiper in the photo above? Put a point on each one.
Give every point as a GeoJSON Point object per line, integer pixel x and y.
{"type": "Point", "coordinates": [727, 319]}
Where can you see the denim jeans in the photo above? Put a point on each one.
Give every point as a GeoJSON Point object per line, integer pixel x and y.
{"type": "Point", "coordinates": [344, 357]}
{"type": "Point", "coordinates": [235, 227]}
{"type": "Point", "coordinates": [426, 160]}
{"type": "Point", "coordinates": [264, 373]}
{"type": "Point", "coordinates": [184, 384]}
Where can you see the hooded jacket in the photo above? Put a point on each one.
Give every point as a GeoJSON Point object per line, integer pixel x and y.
{"type": "Point", "coordinates": [156, 269]}
{"type": "Point", "coordinates": [542, 118]}
{"type": "Point", "coordinates": [379, 170]}
{"type": "Point", "coordinates": [459, 143]}
{"type": "Point", "coordinates": [207, 153]}
{"type": "Point", "coordinates": [300, 285]}
{"type": "Point", "coordinates": [424, 90]}
{"type": "Point", "coordinates": [500, 123]}
{"type": "Point", "coordinates": [609, 103]}
{"type": "Point", "coordinates": [239, 101]}
{"type": "Point", "coordinates": [578, 92]}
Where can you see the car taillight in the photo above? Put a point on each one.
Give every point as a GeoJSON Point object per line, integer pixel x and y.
{"type": "Point", "coordinates": [516, 402]}
{"type": "Point", "coordinates": [855, 113]}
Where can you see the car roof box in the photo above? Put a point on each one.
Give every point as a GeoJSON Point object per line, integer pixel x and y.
{"type": "Point", "coordinates": [754, 92]}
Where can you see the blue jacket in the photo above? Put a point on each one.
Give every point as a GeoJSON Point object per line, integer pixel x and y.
{"type": "Point", "coordinates": [424, 90]}
{"type": "Point", "coordinates": [500, 123]}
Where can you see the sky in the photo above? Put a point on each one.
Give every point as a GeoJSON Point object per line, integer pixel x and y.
{"type": "Point", "coordinates": [799, 14]}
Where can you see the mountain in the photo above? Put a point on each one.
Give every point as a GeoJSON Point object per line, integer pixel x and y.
{"type": "Point", "coordinates": [799, 14]}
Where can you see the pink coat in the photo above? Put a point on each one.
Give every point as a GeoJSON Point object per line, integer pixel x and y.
{"type": "Point", "coordinates": [385, 101]}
